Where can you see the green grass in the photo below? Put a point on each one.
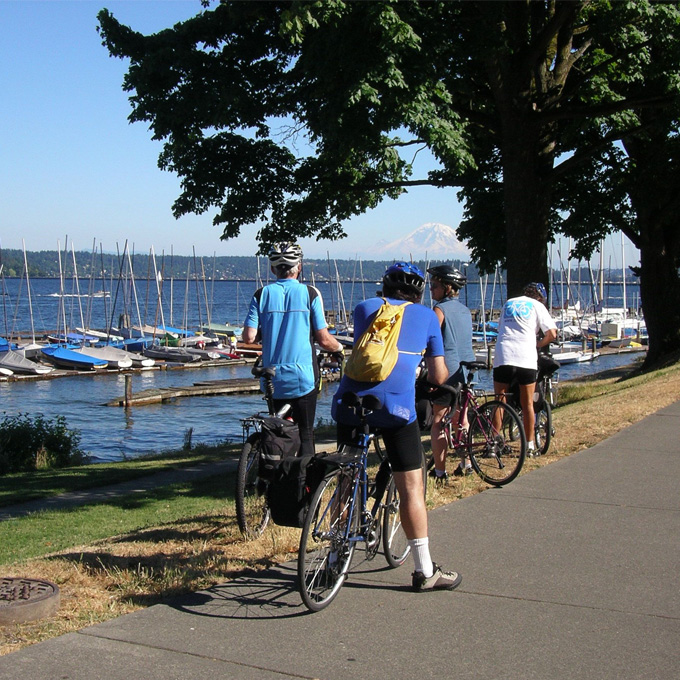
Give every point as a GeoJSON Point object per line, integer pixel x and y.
{"type": "Point", "coordinates": [26, 486]}
{"type": "Point", "coordinates": [43, 533]}
{"type": "Point", "coordinates": [595, 385]}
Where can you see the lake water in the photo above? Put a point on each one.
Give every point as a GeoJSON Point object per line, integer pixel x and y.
{"type": "Point", "coordinates": [114, 433]}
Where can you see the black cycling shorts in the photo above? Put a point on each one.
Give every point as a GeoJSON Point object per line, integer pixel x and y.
{"type": "Point", "coordinates": [506, 374]}
{"type": "Point", "coordinates": [402, 444]}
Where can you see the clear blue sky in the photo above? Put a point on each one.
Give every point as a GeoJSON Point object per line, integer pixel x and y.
{"type": "Point", "coordinates": [73, 166]}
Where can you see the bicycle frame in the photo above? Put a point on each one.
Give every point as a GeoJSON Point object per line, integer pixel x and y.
{"type": "Point", "coordinates": [488, 433]}
{"type": "Point", "coordinates": [357, 500]}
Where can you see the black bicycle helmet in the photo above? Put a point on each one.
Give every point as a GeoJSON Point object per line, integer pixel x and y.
{"type": "Point", "coordinates": [286, 253]}
{"type": "Point", "coordinates": [405, 276]}
{"type": "Point", "coordinates": [448, 275]}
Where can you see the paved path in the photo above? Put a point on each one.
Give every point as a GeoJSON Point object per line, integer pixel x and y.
{"type": "Point", "coordinates": [570, 572]}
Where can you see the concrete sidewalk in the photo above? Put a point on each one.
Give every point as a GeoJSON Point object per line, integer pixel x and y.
{"type": "Point", "coordinates": [571, 571]}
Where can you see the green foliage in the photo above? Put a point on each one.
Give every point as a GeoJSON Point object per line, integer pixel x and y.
{"type": "Point", "coordinates": [36, 443]}
{"type": "Point", "coordinates": [295, 116]}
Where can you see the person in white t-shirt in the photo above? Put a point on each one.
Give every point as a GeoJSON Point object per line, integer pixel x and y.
{"type": "Point", "coordinates": [517, 346]}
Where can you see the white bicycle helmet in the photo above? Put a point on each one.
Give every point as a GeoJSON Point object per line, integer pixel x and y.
{"type": "Point", "coordinates": [285, 253]}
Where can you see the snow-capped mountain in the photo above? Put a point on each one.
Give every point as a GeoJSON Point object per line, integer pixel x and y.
{"type": "Point", "coordinates": [434, 240]}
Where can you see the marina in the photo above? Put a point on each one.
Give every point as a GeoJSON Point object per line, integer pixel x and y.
{"type": "Point", "coordinates": [207, 397]}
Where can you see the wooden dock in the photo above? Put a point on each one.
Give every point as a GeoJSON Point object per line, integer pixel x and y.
{"type": "Point", "coordinates": [208, 388]}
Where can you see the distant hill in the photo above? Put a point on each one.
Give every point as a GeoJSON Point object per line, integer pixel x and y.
{"type": "Point", "coordinates": [45, 264]}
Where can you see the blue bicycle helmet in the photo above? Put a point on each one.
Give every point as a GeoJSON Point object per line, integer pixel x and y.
{"type": "Point", "coordinates": [406, 276]}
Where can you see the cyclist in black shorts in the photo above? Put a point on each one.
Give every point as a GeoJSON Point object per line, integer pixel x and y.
{"type": "Point", "coordinates": [419, 335]}
{"type": "Point", "coordinates": [516, 354]}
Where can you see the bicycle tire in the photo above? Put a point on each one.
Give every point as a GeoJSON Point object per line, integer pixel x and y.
{"type": "Point", "coordinates": [497, 453]}
{"type": "Point", "coordinates": [543, 429]}
{"type": "Point", "coordinates": [325, 552]}
{"type": "Point", "coordinates": [252, 512]}
{"type": "Point", "coordinates": [395, 543]}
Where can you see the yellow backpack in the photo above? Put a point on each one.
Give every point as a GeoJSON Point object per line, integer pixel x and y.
{"type": "Point", "coordinates": [375, 354]}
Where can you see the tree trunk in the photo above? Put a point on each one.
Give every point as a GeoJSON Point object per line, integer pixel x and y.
{"type": "Point", "coordinates": [526, 204]}
{"type": "Point", "coordinates": [660, 297]}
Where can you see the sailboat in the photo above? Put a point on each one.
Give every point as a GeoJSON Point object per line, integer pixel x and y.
{"type": "Point", "coordinates": [63, 357]}
{"type": "Point", "coordinates": [18, 363]}
{"type": "Point", "coordinates": [115, 357]}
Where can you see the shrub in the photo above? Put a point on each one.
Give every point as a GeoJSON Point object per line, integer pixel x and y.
{"type": "Point", "coordinates": [35, 443]}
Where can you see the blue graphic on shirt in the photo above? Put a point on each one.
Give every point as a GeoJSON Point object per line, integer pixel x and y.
{"type": "Point", "coordinates": [517, 309]}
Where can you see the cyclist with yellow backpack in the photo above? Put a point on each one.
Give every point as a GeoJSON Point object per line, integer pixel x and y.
{"type": "Point", "coordinates": [392, 334]}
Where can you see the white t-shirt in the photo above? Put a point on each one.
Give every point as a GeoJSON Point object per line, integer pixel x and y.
{"type": "Point", "coordinates": [521, 319]}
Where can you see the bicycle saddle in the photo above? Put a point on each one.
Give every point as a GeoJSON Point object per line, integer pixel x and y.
{"type": "Point", "coordinates": [473, 365]}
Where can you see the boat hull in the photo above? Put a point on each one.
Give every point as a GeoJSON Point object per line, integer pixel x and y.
{"type": "Point", "coordinates": [68, 359]}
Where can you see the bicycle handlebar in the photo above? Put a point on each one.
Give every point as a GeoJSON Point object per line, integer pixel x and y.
{"type": "Point", "coordinates": [362, 405]}
{"type": "Point", "coordinates": [437, 391]}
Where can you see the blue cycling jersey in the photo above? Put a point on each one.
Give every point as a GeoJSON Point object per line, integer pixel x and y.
{"type": "Point", "coordinates": [420, 335]}
{"type": "Point", "coordinates": [287, 317]}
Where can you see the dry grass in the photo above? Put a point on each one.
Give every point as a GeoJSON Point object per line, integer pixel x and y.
{"type": "Point", "coordinates": [124, 573]}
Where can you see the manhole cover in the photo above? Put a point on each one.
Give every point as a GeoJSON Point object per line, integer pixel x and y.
{"type": "Point", "coordinates": [26, 599]}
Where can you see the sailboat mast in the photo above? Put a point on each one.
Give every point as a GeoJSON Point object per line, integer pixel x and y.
{"type": "Point", "coordinates": [601, 291]}
{"type": "Point", "coordinates": [623, 276]}
{"type": "Point", "coordinates": [28, 288]}
{"type": "Point", "coordinates": [77, 288]}
{"type": "Point", "coordinates": [158, 288]}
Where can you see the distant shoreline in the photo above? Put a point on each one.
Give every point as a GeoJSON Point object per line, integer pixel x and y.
{"type": "Point", "coordinates": [320, 277]}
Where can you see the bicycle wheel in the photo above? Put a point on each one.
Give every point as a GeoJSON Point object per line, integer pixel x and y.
{"type": "Point", "coordinates": [252, 513]}
{"type": "Point", "coordinates": [326, 548]}
{"type": "Point", "coordinates": [496, 443]}
{"type": "Point", "coordinates": [395, 543]}
{"type": "Point", "coordinates": [543, 429]}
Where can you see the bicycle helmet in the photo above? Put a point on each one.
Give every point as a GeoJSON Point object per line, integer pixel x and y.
{"type": "Point", "coordinates": [536, 291]}
{"type": "Point", "coordinates": [448, 275]}
{"type": "Point", "coordinates": [405, 276]}
{"type": "Point", "coordinates": [286, 253]}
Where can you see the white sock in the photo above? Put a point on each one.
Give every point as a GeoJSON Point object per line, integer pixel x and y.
{"type": "Point", "coordinates": [439, 473]}
{"type": "Point", "coordinates": [420, 549]}
{"type": "Point", "coordinates": [531, 446]}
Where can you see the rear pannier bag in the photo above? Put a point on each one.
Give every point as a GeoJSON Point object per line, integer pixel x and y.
{"type": "Point", "coordinates": [291, 489]}
{"type": "Point", "coordinates": [280, 439]}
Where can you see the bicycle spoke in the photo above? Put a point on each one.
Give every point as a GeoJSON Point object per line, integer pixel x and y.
{"type": "Point", "coordinates": [252, 513]}
{"type": "Point", "coordinates": [326, 550]}
{"type": "Point", "coordinates": [496, 443]}
{"type": "Point", "coordinates": [395, 543]}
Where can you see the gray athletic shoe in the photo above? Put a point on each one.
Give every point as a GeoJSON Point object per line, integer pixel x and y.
{"type": "Point", "coordinates": [440, 580]}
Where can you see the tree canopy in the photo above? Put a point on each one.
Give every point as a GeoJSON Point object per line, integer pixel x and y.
{"type": "Point", "coordinates": [297, 115]}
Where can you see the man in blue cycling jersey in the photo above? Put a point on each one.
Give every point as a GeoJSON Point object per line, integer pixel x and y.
{"type": "Point", "coordinates": [288, 318]}
{"type": "Point", "coordinates": [420, 335]}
